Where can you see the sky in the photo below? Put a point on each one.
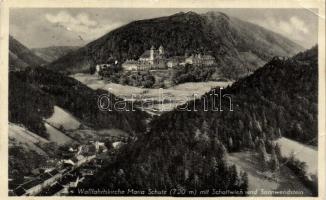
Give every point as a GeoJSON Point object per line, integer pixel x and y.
{"type": "Point", "coordinates": [43, 27]}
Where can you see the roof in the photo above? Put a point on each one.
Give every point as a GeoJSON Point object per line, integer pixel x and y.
{"type": "Point", "coordinates": [86, 167]}
{"type": "Point", "coordinates": [31, 184]}
{"type": "Point", "coordinates": [91, 149]}
{"type": "Point", "coordinates": [45, 176]}
{"type": "Point", "coordinates": [14, 183]}
{"type": "Point", "coordinates": [207, 57]}
{"type": "Point", "coordinates": [65, 170]}
{"type": "Point", "coordinates": [131, 62]}
{"type": "Point", "coordinates": [19, 191]}
{"type": "Point", "coordinates": [176, 58]}
{"type": "Point", "coordinates": [203, 57]}
{"type": "Point", "coordinates": [80, 157]}
{"type": "Point", "coordinates": [53, 189]}
{"type": "Point", "coordinates": [67, 179]}
{"type": "Point", "coordinates": [147, 53]}
{"type": "Point", "coordinates": [54, 172]}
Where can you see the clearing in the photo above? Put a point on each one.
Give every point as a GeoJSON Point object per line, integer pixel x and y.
{"type": "Point", "coordinates": [302, 152]}
{"type": "Point", "coordinates": [64, 119]}
{"type": "Point", "coordinates": [56, 135]}
{"type": "Point", "coordinates": [154, 101]}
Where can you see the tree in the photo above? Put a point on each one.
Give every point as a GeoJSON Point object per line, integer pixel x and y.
{"type": "Point", "coordinates": [230, 142]}
{"type": "Point", "coordinates": [262, 154]}
{"type": "Point", "coordinates": [275, 165]}
{"type": "Point", "coordinates": [92, 69]}
{"type": "Point", "coordinates": [244, 181]}
{"type": "Point", "coordinates": [278, 133]}
{"type": "Point", "coordinates": [248, 140]}
{"type": "Point", "coordinates": [278, 151]}
{"type": "Point", "coordinates": [233, 177]}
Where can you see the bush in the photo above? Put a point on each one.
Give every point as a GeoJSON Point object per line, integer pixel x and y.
{"type": "Point", "coordinates": [299, 169]}
{"type": "Point", "coordinates": [190, 73]}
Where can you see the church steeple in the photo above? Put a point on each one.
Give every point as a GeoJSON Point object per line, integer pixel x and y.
{"type": "Point", "coordinates": [151, 55]}
{"type": "Point", "coordinates": [161, 50]}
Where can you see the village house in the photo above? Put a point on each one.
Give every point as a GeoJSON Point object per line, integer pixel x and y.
{"type": "Point", "coordinates": [104, 66]}
{"type": "Point", "coordinates": [54, 190]}
{"type": "Point", "coordinates": [29, 188]}
{"type": "Point", "coordinates": [67, 182]}
{"type": "Point", "coordinates": [199, 59]}
{"type": "Point", "coordinates": [50, 177]}
{"type": "Point", "coordinates": [100, 67]}
{"type": "Point", "coordinates": [35, 186]}
{"type": "Point", "coordinates": [175, 61]}
{"type": "Point", "coordinates": [131, 65]}
{"type": "Point", "coordinates": [88, 170]}
{"type": "Point", "coordinates": [48, 182]}
{"type": "Point", "coordinates": [117, 145]}
{"type": "Point", "coordinates": [100, 147]}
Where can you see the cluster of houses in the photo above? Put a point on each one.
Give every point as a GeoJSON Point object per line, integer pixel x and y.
{"type": "Point", "coordinates": [157, 59]}
{"type": "Point", "coordinates": [65, 175]}
{"type": "Point", "coordinates": [35, 186]}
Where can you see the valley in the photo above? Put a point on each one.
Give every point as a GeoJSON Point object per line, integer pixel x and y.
{"type": "Point", "coordinates": [153, 101]}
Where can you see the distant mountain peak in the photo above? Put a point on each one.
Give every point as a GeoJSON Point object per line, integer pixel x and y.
{"type": "Point", "coordinates": [191, 13]}
{"type": "Point", "coordinates": [217, 13]}
{"type": "Point", "coordinates": [188, 16]}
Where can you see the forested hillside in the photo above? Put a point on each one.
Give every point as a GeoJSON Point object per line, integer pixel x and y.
{"type": "Point", "coordinates": [170, 161]}
{"type": "Point", "coordinates": [34, 92]}
{"type": "Point", "coordinates": [21, 57]}
{"type": "Point", "coordinates": [235, 44]}
{"type": "Point", "coordinates": [278, 99]}
{"type": "Point", "coordinates": [188, 149]}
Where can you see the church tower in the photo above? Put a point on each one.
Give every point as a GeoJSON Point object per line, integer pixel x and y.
{"type": "Point", "coordinates": [151, 53]}
{"type": "Point", "coordinates": [161, 50]}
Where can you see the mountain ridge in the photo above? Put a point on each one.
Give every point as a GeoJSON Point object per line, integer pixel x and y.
{"type": "Point", "coordinates": [226, 38]}
{"type": "Point", "coordinates": [52, 53]}
{"type": "Point", "coordinates": [21, 57]}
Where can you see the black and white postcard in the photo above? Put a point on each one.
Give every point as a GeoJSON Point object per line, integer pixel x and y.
{"type": "Point", "coordinates": [163, 99]}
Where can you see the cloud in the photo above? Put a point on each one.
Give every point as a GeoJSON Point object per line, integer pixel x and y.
{"type": "Point", "coordinates": [294, 28]}
{"type": "Point", "coordinates": [299, 25]}
{"type": "Point", "coordinates": [80, 24]}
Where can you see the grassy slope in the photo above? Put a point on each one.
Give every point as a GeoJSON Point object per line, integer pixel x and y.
{"type": "Point", "coordinates": [302, 152]}
{"type": "Point", "coordinates": [26, 139]}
